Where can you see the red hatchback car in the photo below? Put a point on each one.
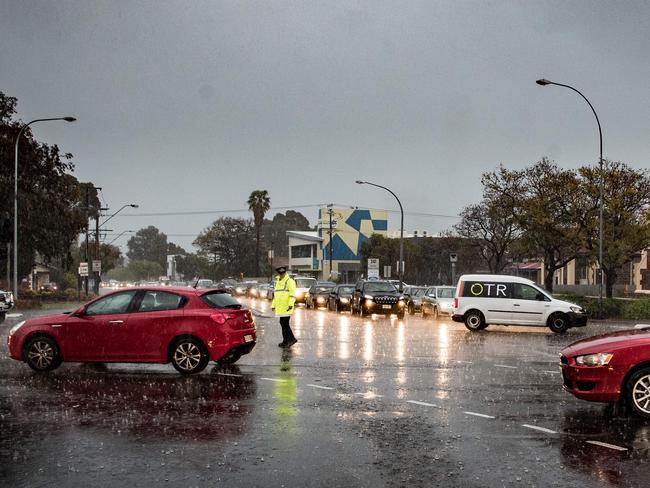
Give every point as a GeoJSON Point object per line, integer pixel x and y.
{"type": "Point", "coordinates": [184, 326]}
{"type": "Point", "coordinates": [610, 368]}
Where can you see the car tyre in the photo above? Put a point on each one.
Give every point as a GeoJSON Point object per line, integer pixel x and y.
{"type": "Point", "coordinates": [424, 312]}
{"type": "Point", "coordinates": [189, 355]}
{"type": "Point", "coordinates": [474, 320]}
{"type": "Point", "coordinates": [400, 315]}
{"type": "Point", "coordinates": [3, 316]}
{"type": "Point", "coordinates": [637, 391]}
{"type": "Point", "coordinates": [558, 323]}
{"type": "Point", "coordinates": [42, 354]}
{"type": "Point", "coordinates": [411, 309]}
{"type": "Point", "coordinates": [436, 315]}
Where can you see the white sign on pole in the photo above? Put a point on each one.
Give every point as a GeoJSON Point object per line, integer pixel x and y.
{"type": "Point", "coordinates": [397, 267]}
{"type": "Point", "coordinates": [387, 271]}
{"type": "Point", "coordinates": [453, 257]}
{"type": "Point", "coordinates": [97, 266]}
{"type": "Point", "coordinates": [373, 268]}
{"type": "Point", "coordinates": [83, 269]}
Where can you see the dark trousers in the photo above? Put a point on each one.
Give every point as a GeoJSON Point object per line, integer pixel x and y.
{"type": "Point", "coordinates": [287, 333]}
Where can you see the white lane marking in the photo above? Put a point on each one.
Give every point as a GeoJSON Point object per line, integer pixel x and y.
{"type": "Point", "coordinates": [230, 374]}
{"type": "Point", "coordinates": [13, 315]}
{"type": "Point", "coordinates": [608, 446]}
{"type": "Point", "coordinates": [482, 415]}
{"type": "Point", "coordinates": [551, 372]}
{"type": "Point", "coordinates": [541, 429]}
{"type": "Point", "coordinates": [424, 404]}
{"type": "Point", "coordinates": [369, 394]}
{"type": "Point", "coordinates": [464, 362]}
{"type": "Point", "coordinates": [504, 366]}
{"type": "Point", "coordinates": [321, 387]}
{"type": "Point", "coordinates": [273, 379]}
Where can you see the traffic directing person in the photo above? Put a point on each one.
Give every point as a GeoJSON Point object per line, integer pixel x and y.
{"type": "Point", "coordinates": [284, 299]}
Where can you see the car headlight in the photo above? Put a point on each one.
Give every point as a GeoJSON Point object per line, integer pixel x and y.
{"type": "Point", "coordinates": [400, 303]}
{"type": "Point", "coordinates": [576, 309]}
{"type": "Point", "coordinates": [368, 297]}
{"type": "Point", "coordinates": [16, 327]}
{"type": "Point", "coordinates": [320, 299]}
{"type": "Point", "coordinates": [238, 290]}
{"type": "Point", "coordinates": [600, 359]}
{"type": "Point", "coordinates": [369, 303]}
{"type": "Point", "coordinates": [344, 300]}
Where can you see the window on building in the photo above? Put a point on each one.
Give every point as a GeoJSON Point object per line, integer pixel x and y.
{"type": "Point", "coordinates": [302, 251]}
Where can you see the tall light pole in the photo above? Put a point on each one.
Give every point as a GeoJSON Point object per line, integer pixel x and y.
{"type": "Point", "coordinates": [20, 133]}
{"type": "Point", "coordinates": [132, 205]}
{"type": "Point", "coordinates": [400, 265]}
{"type": "Point", "coordinates": [123, 232]}
{"type": "Point", "coordinates": [544, 82]}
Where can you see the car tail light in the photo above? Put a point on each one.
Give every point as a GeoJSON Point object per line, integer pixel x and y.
{"type": "Point", "coordinates": [219, 318]}
{"type": "Point", "coordinates": [456, 302]}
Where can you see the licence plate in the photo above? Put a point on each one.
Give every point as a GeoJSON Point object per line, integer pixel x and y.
{"type": "Point", "coordinates": [248, 338]}
{"type": "Point", "coordinates": [386, 306]}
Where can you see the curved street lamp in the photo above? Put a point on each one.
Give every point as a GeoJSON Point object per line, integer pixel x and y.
{"type": "Point", "coordinates": [120, 235]}
{"type": "Point", "coordinates": [544, 82]}
{"type": "Point", "coordinates": [400, 266]}
{"type": "Point", "coordinates": [20, 133]}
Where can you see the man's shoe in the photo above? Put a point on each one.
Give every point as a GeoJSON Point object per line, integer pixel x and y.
{"type": "Point", "coordinates": [290, 342]}
{"type": "Point", "coordinates": [282, 344]}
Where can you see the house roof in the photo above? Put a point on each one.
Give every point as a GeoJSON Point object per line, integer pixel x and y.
{"type": "Point", "coordinates": [306, 235]}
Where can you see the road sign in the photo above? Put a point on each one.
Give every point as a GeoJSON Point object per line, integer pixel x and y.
{"type": "Point", "coordinates": [373, 267]}
{"type": "Point", "coordinates": [97, 266]}
{"type": "Point", "coordinates": [453, 257]}
{"type": "Point", "coordinates": [83, 269]}
{"type": "Point", "coordinates": [387, 271]}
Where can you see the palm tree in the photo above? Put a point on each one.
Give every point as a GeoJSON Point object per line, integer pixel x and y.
{"type": "Point", "coordinates": [259, 203]}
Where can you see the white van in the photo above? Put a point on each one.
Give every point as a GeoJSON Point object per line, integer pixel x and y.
{"type": "Point", "coordinates": [482, 300]}
{"type": "Point", "coordinates": [303, 284]}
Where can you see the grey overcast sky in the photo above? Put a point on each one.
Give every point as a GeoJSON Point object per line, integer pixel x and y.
{"type": "Point", "coordinates": [189, 106]}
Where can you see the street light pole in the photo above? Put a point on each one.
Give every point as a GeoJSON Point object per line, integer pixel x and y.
{"type": "Point", "coordinates": [124, 232]}
{"type": "Point", "coordinates": [132, 205]}
{"type": "Point", "coordinates": [544, 82]}
{"type": "Point", "coordinates": [20, 133]}
{"type": "Point", "coordinates": [400, 265]}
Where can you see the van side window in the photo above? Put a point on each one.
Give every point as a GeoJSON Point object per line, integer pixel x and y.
{"type": "Point", "coordinates": [524, 292]}
{"type": "Point", "coordinates": [487, 289]}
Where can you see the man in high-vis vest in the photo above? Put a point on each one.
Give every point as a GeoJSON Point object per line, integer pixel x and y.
{"type": "Point", "coordinates": [284, 300]}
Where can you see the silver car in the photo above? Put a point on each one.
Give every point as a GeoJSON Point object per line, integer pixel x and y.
{"type": "Point", "coordinates": [438, 300]}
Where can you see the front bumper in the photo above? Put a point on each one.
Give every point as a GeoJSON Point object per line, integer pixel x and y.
{"type": "Point", "coordinates": [596, 384]}
{"type": "Point", "coordinates": [457, 317]}
{"type": "Point", "coordinates": [384, 308]}
{"type": "Point", "coordinates": [577, 319]}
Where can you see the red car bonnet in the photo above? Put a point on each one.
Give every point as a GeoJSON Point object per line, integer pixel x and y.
{"type": "Point", "coordinates": [608, 342]}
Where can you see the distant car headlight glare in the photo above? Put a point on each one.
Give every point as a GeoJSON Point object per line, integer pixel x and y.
{"type": "Point", "coordinates": [576, 309]}
{"type": "Point", "coordinates": [600, 359]}
{"type": "Point", "coordinates": [368, 297]}
{"type": "Point", "coordinates": [344, 300]}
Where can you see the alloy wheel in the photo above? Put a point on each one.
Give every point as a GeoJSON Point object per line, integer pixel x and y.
{"type": "Point", "coordinates": [641, 394]}
{"type": "Point", "coordinates": [41, 354]}
{"type": "Point", "coordinates": [187, 356]}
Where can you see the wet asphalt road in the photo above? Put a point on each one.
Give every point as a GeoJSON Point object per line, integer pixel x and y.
{"type": "Point", "coordinates": [357, 402]}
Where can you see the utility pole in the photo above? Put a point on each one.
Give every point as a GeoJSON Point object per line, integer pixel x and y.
{"type": "Point", "coordinates": [87, 218]}
{"type": "Point", "coordinates": [97, 248]}
{"type": "Point", "coordinates": [330, 212]}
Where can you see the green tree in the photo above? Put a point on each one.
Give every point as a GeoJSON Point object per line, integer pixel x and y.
{"type": "Point", "coordinates": [549, 207]}
{"type": "Point", "coordinates": [145, 270]}
{"type": "Point", "coordinates": [259, 203]}
{"type": "Point", "coordinates": [626, 229]}
{"type": "Point", "coordinates": [194, 266]}
{"type": "Point", "coordinates": [45, 189]}
{"type": "Point", "coordinates": [148, 244]}
{"type": "Point", "coordinates": [229, 246]}
{"type": "Point", "coordinates": [275, 230]}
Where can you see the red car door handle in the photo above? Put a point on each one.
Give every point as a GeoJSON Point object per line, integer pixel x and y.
{"type": "Point", "coordinates": [116, 322]}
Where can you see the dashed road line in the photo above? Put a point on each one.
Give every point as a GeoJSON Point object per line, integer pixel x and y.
{"type": "Point", "coordinates": [541, 429]}
{"type": "Point", "coordinates": [424, 404]}
{"type": "Point", "coordinates": [608, 446]}
{"type": "Point", "coordinates": [551, 372]}
{"type": "Point", "coordinates": [274, 379]}
{"type": "Point", "coordinates": [13, 315]}
{"type": "Point", "coordinates": [230, 374]}
{"type": "Point", "coordinates": [504, 366]}
{"type": "Point", "coordinates": [464, 362]}
{"type": "Point", "coordinates": [369, 395]}
{"type": "Point", "coordinates": [320, 387]}
{"type": "Point", "coordinates": [482, 415]}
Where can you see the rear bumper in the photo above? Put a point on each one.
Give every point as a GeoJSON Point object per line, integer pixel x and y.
{"type": "Point", "coordinates": [241, 349]}
{"type": "Point", "coordinates": [457, 317]}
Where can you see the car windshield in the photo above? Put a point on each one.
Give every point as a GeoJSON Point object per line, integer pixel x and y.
{"type": "Point", "coordinates": [418, 292]}
{"type": "Point", "coordinates": [380, 287]}
{"type": "Point", "coordinates": [305, 282]}
{"type": "Point", "coordinates": [322, 289]}
{"type": "Point", "coordinates": [445, 292]}
{"type": "Point", "coordinates": [346, 290]}
{"type": "Point", "coordinates": [219, 299]}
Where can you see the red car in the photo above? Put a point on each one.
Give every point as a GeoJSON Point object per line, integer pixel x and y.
{"type": "Point", "coordinates": [184, 326]}
{"type": "Point", "coordinates": [610, 368]}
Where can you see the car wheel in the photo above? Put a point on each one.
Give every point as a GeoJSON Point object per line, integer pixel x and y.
{"type": "Point", "coordinates": [435, 313]}
{"type": "Point", "coordinates": [411, 309]}
{"type": "Point", "coordinates": [637, 392]}
{"type": "Point", "coordinates": [336, 307]}
{"type": "Point", "coordinates": [424, 312]}
{"type": "Point", "coordinates": [230, 358]}
{"type": "Point", "coordinates": [474, 320]}
{"type": "Point", "coordinates": [189, 355]}
{"type": "Point", "coordinates": [558, 323]}
{"type": "Point", "coordinates": [3, 315]}
{"type": "Point", "coordinates": [400, 315]}
{"type": "Point", "coordinates": [42, 354]}
{"type": "Point", "coordinates": [362, 312]}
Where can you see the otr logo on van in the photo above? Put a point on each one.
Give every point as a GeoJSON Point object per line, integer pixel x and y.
{"type": "Point", "coordinates": [479, 289]}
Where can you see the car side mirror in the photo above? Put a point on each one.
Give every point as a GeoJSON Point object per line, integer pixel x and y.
{"type": "Point", "coordinates": [80, 312]}
{"type": "Point", "coordinates": [540, 297]}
